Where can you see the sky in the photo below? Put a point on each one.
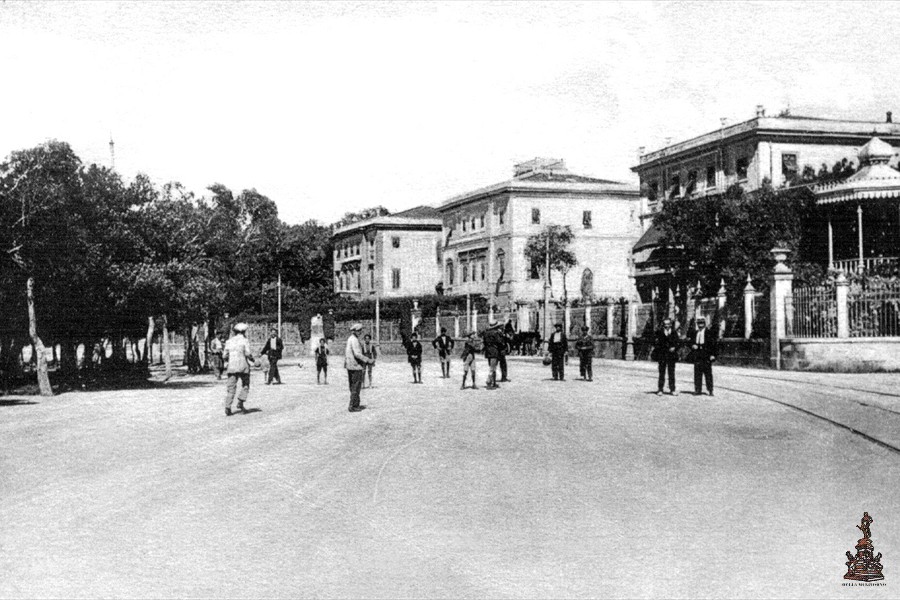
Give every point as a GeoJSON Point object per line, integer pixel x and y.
{"type": "Point", "coordinates": [335, 107]}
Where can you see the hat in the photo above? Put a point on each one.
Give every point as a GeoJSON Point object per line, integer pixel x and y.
{"type": "Point", "coordinates": [356, 327]}
{"type": "Point", "coordinates": [493, 323]}
{"type": "Point", "coordinates": [240, 327]}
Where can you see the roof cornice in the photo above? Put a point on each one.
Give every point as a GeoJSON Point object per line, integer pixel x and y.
{"type": "Point", "coordinates": [514, 186]}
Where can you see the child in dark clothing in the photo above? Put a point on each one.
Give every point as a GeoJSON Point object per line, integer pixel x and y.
{"type": "Point", "coordinates": [468, 358]}
{"type": "Point", "coordinates": [322, 353]}
{"type": "Point", "coordinates": [414, 355]}
{"type": "Point", "coordinates": [585, 347]}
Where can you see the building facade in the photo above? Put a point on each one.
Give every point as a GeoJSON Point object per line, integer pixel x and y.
{"type": "Point", "coordinates": [485, 233]}
{"type": "Point", "coordinates": [391, 256]}
{"type": "Point", "coordinates": [776, 149]}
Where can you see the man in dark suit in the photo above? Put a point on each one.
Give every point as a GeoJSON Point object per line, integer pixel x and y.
{"type": "Point", "coordinates": [273, 349]}
{"type": "Point", "coordinates": [493, 344]}
{"type": "Point", "coordinates": [665, 353]}
{"type": "Point", "coordinates": [558, 346]}
{"type": "Point", "coordinates": [703, 350]}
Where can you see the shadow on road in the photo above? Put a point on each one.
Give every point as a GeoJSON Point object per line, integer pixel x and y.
{"type": "Point", "coordinates": [15, 402]}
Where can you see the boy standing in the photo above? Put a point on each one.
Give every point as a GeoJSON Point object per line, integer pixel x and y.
{"type": "Point", "coordinates": [585, 348]}
{"type": "Point", "coordinates": [369, 351]}
{"type": "Point", "coordinates": [468, 358]}
{"type": "Point", "coordinates": [414, 355]}
{"type": "Point", "coordinates": [444, 345]}
{"type": "Point", "coordinates": [322, 353]}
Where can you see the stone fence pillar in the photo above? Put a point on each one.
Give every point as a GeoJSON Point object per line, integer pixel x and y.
{"type": "Point", "coordinates": [456, 326]}
{"type": "Point", "coordinates": [780, 288]}
{"type": "Point", "coordinates": [587, 317]}
{"type": "Point", "coordinates": [721, 297]}
{"type": "Point", "coordinates": [749, 302]}
{"type": "Point", "coordinates": [842, 289]}
{"type": "Point", "coordinates": [632, 329]}
{"type": "Point", "coordinates": [415, 315]}
{"type": "Point", "coordinates": [567, 318]}
{"type": "Point", "coordinates": [610, 319]}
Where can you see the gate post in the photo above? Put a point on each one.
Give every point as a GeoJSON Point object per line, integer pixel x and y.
{"type": "Point", "coordinates": [749, 297]}
{"type": "Point", "coordinates": [780, 288]}
{"type": "Point", "coordinates": [842, 288]}
{"type": "Point", "coordinates": [721, 297]}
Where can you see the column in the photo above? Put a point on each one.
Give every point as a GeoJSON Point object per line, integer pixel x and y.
{"type": "Point", "coordinates": [632, 329]}
{"type": "Point", "coordinates": [830, 243]}
{"type": "Point", "coordinates": [780, 287]}
{"type": "Point", "coordinates": [841, 288]}
{"type": "Point", "coordinates": [859, 220]}
{"type": "Point", "coordinates": [456, 326]}
{"type": "Point", "coordinates": [749, 298]}
{"type": "Point", "coordinates": [473, 326]}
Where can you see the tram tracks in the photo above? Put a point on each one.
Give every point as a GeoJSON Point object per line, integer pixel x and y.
{"type": "Point", "coordinates": [870, 438]}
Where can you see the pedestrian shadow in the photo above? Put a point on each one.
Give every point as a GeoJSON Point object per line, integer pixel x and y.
{"type": "Point", "coordinates": [16, 402]}
{"type": "Point", "coordinates": [248, 411]}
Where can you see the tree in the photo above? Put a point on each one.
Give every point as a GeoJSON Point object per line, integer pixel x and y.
{"type": "Point", "coordinates": [352, 217]}
{"type": "Point", "coordinates": [562, 258]}
{"type": "Point", "coordinates": [730, 235]}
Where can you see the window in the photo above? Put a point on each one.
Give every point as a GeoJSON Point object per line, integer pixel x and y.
{"type": "Point", "coordinates": [465, 224]}
{"type": "Point", "coordinates": [675, 186]}
{"type": "Point", "coordinates": [483, 270]}
{"type": "Point", "coordinates": [501, 215]}
{"type": "Point", "coordinates": [741, 166]}
{"type": "Point", "coordinates": [534, 271]}
{"type": "Point", "coordinates": [371, 277]}
{"type": "Point", "coordinates": [482, 221]}
{"type": "Point", "coordinates": [691, 182]}
{"type": "Point", "coordinates": [535, 216]}
{"type": "Point", "coordinates": [395, 242]}
{"type": "Point", "coordinates": [465, 271]}
{"type": "Point", "coordinates": [789, 168]}
{"type": "Point", "coordinates": [653, 191]}
{"type": "Point", "coordinates": [501, 264]}
{"type": "Point", "coordinates": [450, 272]}
{"type": "Point", "coordinates": [473, 223]}
{"type": "Point", "coordinates": [710, 176]}
{"type": "Point", "coordinates": [337, 280]}
{"type": "Point", "coordinates": [586, 219]}
{"type": "Point", "coordinates": [395, 279]}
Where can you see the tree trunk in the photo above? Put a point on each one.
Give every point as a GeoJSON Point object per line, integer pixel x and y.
{"type": "Point", "coordinates": [166, 347]}
{"type": "Point", "coordinates": [43, 375]}
{"type": "Point", "coordinates": [148, 343]}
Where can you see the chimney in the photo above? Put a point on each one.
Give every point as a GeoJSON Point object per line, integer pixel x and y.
{"type": "Point", "coordinates": [724, 121]}
{"type": "Point", "coordinates": [890, 117]}
{"type": "Point", "coordinates": [760, 111]}
{"type": "Point", "coordinates": [641, 150]}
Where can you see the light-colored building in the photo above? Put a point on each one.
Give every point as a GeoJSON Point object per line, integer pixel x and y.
{"type": "Point", "coordinates": [393, 256]}
{"type": "Point", "coordinates": [776, 149]}
{"type": "Point", "coordinates": [485, 233]}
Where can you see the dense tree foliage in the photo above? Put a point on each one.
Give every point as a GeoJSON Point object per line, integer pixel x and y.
{"type": "Point", "coordinates": [106, 261]}
{"type": "Point", "coordinates": [557, 240]}
{"type": "Point", "coordinates": [728, 236]}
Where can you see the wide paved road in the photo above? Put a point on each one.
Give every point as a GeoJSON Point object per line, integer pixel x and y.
{"type": "Point", "coordinates": [540, 489]}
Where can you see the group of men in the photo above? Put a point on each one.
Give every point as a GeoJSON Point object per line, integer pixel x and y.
{"type": "Point", "coordinates": [235, 358]}
{"type": "Point", "coordinates": [702, 343]}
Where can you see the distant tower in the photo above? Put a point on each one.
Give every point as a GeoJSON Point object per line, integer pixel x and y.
{"type": "Point", "coordinates": [112, 153]}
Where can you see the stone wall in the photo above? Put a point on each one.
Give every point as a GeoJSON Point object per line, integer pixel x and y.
{"type": "Point", "coordinates": [843, 355]}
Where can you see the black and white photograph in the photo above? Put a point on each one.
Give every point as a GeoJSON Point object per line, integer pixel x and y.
{"type": "Point", "coordinates": [446, 299]}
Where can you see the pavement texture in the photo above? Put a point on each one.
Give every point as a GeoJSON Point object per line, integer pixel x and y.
{"type": "Point", "coordinates": [538, 489]}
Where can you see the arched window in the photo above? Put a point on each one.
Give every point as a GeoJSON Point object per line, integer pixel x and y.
{"type": "Point", "coordinates": [501, 264]}
{"type": "Point", "coordinates": [587, 283]}
{"type": "Point", "coordinates": [450, 272]}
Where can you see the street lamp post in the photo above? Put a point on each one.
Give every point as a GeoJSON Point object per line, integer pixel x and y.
{"type": "Point", "coordinates": [546, 286]}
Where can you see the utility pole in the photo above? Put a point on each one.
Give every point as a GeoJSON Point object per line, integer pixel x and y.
{"type": "Point", "coordinates": [279, 303]}
{"type": "Point", "coordinates": [546, 287]}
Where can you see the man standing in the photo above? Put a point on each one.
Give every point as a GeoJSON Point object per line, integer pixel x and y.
{"type": "Point", "coordinates": [370, 351]}
{"type": "Point", "coordinates": [354, 360]}
{"type": "Point", "coordinates": [216, 347]}
{"type": "Point", "coordinates": [238, 358]}
{"type": "Point", "coordinates": [444, 345]}
{"type": "Point", "coordinates": [493, 343]}
{"type": "Point", "coordinates": [704, 353]}
{"type": "Point", "coordinates": [665, 353]}
{"type": "Point", "coordinates": [508, 333]}
{"type": "Point", "coordinates": [585, 347]}
{"type": "Point", "coordinates": [273, 349]}
{"type": "Point", "coordinates": [468, 359]}
{"type": "Point", "coordinates": [558, 346]}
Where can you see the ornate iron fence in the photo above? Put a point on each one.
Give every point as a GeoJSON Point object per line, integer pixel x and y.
{"type": "Point", "coordinates": [873, 309]}
{"type": "Point", "coordinates": [812, 312]}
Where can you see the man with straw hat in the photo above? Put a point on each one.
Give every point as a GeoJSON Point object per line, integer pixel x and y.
{"type": "Point", "coordinates": [238, 357]}
{"type": "Point", "coordinates": [354, 361]}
